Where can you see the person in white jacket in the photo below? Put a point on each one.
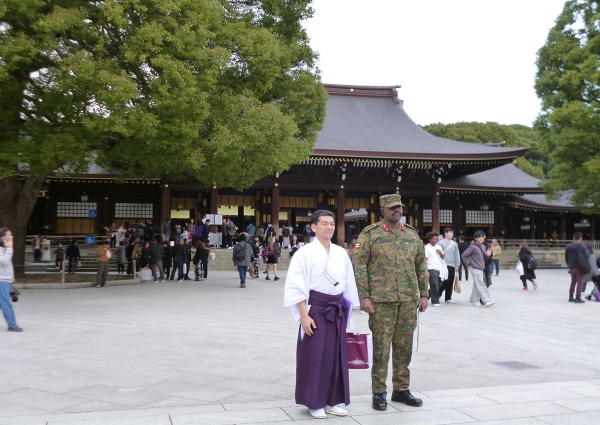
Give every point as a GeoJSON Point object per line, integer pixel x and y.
{"type": "Point", "coordinates": [7, 277]}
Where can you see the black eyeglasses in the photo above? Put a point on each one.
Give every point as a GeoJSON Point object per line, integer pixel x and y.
{"type": "Point", "coordinates": [330, 279]}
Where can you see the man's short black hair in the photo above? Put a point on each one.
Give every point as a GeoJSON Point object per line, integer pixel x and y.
{"type": "Point", "coordinates": [461, 238]}
{"type": "Point", "coordinates": [479, 234]}
{"type": "Point", "coordinates": [316, 216]}
{"type": "Point", "coordinates": [73, 241]}
{"type": "Point", "coordinates": [242, 237]}
{"type": "Point", "coordinates": [577, 235]}
{"type": "Point", "coordinates": [448, 229]}
{"type": "Point", "coordinates": [431, 235]}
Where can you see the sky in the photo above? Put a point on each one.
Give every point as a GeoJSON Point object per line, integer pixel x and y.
{"type": "Point", "coordinates": [460, 60]}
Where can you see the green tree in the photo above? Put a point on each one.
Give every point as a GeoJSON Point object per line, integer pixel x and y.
{"type": "Point", "coordinates": [492, 132]}
{"type": "Point", "coordinates": [568, 84]}
{"type": "Point", "coordinates": [224, 91]}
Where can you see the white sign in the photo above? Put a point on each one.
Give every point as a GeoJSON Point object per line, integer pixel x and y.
{"type": "Point", "coordinates": [215, 219]}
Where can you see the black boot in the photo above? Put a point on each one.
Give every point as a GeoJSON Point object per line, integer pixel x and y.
{"type": "Point", "coordinates": [571, 299]}
{"type": "Point", "coordinates": [407, 398]}
{"type": "Point", "coordinates": [379, 401]}
{"type": "Point", "coordinates": [578, 300]}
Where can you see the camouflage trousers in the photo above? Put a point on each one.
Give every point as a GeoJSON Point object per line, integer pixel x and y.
{"type": "Point", "coordinates": [392, 324]}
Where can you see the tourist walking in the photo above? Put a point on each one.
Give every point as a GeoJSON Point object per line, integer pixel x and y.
{"type": "Point", "coordinates": [391, 275]}
{"type": "Point", "coordinates": [474, 257]}
{"type": "Point", "coordinates": [120, 257]}
{"type": "Point", "coordinates": [293, 246]}
{"type": "Point", "coordinates": [271, 254]}
{"type": "Point", "coordinates": [36, 244]}
{"type": "Point", "coordinates": [104, 254]}
{"type": "Point", "coordinates": [73, 256]}
{"type": "Point", "coordinates": [188, 259]}
{"type": "Point", "coordinates": [453, 261]}
{"type": "Point", "coordinates": [137, 253]}
{"type": "Point", "coordinates": [462, 247]}
{"type": "Point", "coordinates": [112, 233]}
{"type": "Point", "coordinates": [576, 257]}
{"type": "Point", "coordinates": [179, 257]}
{"type": "Point", "coordinates": [434, 256]}
{"type": "Point", "coordinates": [166, 231]}
{"type": "Point", "coordinates": [242, 257]}
{"type": "Point", "coordinates": [167, 258]}
{"type": "Point", "coordinates": [121, 234]}
{"type": "Point", "coordinates": [7, 277]}
{"type": "Point", "coordinates": [156, 260]}
{"type": "Point", "coordinates": [592, 259]}
{"type": "Point", "coordinates": [496, 251]}
{"type": "Point", "coordinates": [255, 257]}
{"type": "Point", "coordinates": [201, 260]}
{"type": "Point", "coordinates": [525, 257]}
{"type": "Point", "coordinates": [60, 255]}
{"type": "Point", "coordinates": [318, 287]}
{"type": "Point", "coordinates": [229, 232]}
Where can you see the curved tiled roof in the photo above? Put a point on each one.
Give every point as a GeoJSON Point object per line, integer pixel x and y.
{"type": "Point", "coordinates": [506, 178]}
{"type": "Point", "coordinates": [371, 122]}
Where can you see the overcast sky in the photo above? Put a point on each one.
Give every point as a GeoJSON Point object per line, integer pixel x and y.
{"type": "Point", "coordinates": [461, 60]}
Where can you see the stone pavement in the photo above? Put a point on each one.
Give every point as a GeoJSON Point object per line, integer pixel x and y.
{"type": "Point", "coordinates": [212, 353]}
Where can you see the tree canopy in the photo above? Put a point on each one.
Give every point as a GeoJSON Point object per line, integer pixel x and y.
{"type": "Point", "coordinates": [223, 91]}
{"type": "Point", "coordinates": [492, 132]}
{"type": "Point", "coordinates": [568, 84]}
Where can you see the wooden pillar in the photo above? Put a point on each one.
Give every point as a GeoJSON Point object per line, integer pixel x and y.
{"type": "Point", "coordinates": [532, 226]}
{"type": "Point", "coordinates": [47, 225]}
{"type": "Point", "coordinates": [258, 207]}
{"type": "Point", "coordinates": [341, 213]}
{"type": "Point", "coordinates": [165, 202]}
{"type": "Point", "coordinates": [563, 227]}
{"type": "Point", "coordinates": [373, 209]}
{"type": "Point", "coordinates": [592, 227]}
{"type": "Point", "coordinates": [435, 212]}
{"type": "Point", "coordinates": [214, 200]}
{"type": "Point", "coordinates": [240, 219]}
{"type": "Point", "coordinates": [458, 220]}
{"type": "Point", "coordinates": [275, 208]}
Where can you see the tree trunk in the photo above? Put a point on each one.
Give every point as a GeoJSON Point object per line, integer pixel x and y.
{"type": "Point", "coordinates": [18, 200]}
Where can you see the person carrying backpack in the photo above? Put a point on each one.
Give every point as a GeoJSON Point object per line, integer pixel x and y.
{"type": "Point", "coordinates": [576, 257]}
{"type": "Point", "coordinates": [242, 256]}
{"type": "Point", "coordinates": [529, 265]}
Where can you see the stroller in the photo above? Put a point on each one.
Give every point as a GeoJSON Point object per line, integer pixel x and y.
{"type": "Point", "coordinates": [595, 294]}
{"type": "Point", "coordinates": [14, 294]}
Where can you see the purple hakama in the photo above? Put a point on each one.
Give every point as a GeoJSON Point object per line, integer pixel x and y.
{"type": "Point", "coordinates": [322, 359]}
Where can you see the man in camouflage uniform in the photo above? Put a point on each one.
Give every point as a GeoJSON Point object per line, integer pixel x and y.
{"type": "Point", "coordinates": [391, 275]}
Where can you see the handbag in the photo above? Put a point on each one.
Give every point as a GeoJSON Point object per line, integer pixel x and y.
{"type": "Point", "coordinates": [457, 285]}
{"type": "Point", "coordinates": [520, 268]}
{"type": "Point", "coordinates": [360, 349]}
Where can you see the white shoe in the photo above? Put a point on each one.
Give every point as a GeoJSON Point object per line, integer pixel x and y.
{"type": "Point", "coordinates": [336, 410]}
{"type": "Point", "coordinates": [450, 301]}
{"type": "Point", "coordinates": [180, 280]}
{"type": "Point", "coordinates": [163, 281]}
{"type": "Point", "coordinates": [474, 304]}
{"type": "Point", "coordinates": [156, 281]}
{"type": "Point", "coordinates": [436, 305]}
{"type": "Point", "coordinates": [317, 413]}
{"type": "Point", "coordinates": [490, 303]}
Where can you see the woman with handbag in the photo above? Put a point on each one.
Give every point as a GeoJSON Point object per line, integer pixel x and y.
{"type": "Point", "coordinates": [525, 256]}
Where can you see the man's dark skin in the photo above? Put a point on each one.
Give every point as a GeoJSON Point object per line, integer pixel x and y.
{"type": "Point", "coordinates": [391, 218]}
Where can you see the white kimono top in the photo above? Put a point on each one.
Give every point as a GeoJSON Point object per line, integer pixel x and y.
{"type": "Point", "coordinates": [311, 269]}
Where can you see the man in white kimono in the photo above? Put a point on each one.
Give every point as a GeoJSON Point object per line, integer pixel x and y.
{"type": "Point", "coordinates": [320, 290]}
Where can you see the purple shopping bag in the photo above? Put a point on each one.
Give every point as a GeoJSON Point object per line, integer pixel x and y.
{"type": "Point", "coordinates": [360, 350]}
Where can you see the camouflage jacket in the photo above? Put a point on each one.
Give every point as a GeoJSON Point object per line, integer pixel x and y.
{"type": "Point", "coordinates": [391, 265]}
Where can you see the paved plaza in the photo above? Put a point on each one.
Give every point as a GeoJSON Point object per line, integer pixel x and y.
{"type": "Point", "coordinates": [212, 353]}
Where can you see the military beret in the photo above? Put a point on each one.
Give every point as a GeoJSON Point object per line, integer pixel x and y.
{"type": "Point", "coordinates": [390, 200]}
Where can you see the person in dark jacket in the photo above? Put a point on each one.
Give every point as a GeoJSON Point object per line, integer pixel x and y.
{"type": "Point", "coordinates": [243, 249]}
{"type": "Point", "coordinates": [201, 260]}
{"type": "Point", "coordinates": [145, 257]}
{"type": "Point", "coordinates": [179, 257]}
{"type": "Point", "coordinates": [188, 259]}
{"type": "Point", "coordinates": [577, 276]}
{"type": "Point", "coordinates": [462, 247]}
{"type": "Point", "coordinates": [525, 256]}
{"type": "Point", "coordinates": [73, 255]}
{"type": "Point", "coordinates": [167, 258]}
{"type": "Point", "coordinates": [156, 260]}
{"type": "Point", "coordinates": [255, 243]}
{"type": "Point", "coordinates": [129, 255]}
